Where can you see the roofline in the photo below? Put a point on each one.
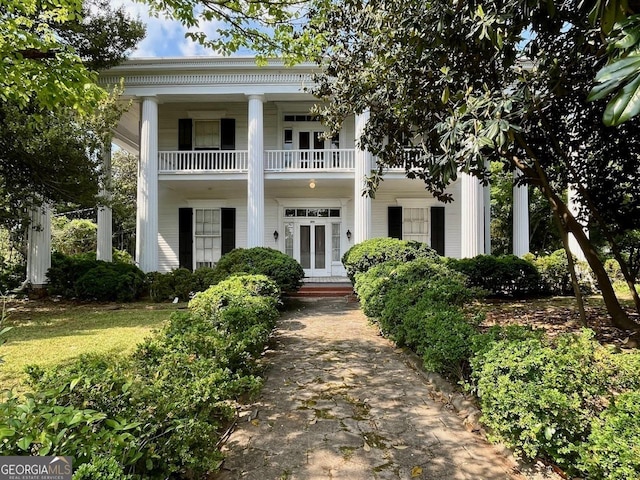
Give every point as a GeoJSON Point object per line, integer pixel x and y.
{"type": "Point", "coordinates": [198, 63]}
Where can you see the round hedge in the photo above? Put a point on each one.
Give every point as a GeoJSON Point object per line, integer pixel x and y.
{"type": "Point", "coordinates": [281, 268]}
{"type": "Point", "coordinates": [362, 256]}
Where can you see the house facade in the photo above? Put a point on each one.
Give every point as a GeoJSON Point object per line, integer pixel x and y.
{"type": "Point", "coordinates": [229, 156]}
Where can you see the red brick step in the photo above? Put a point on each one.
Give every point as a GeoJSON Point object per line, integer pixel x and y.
{"type": "Point", "coordinates": [324, 290]}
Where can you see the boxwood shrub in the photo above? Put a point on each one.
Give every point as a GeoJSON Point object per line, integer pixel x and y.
{"type": "Point", "coordinates": [389, 290]}
{"type": "Point", "coordinates": [418, 305]}
{"type": "Point", "coordinates": [612, 450]}
{"type": "Point", "coordinates": [500, 276]}
{"type": "Point", "coordinates": [541, 397]}
{"type": "Point", "coordinates": [362, 256]}
{"type": "Point", "coordinates": [281, 268]}
{"type": "Point", "coordinates": [160, 412]}
{"type": "Point", "coordinates": [84, 277]}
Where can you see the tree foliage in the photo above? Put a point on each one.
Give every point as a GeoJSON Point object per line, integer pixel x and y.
{"type": "Point", "coordinates": [619, 79]}
{"type": "Point", "coordinates": [124, 176]}
{"type": "Point", "coordinates": [481, 81]}
{"type": "Point", "coordinates": [54, 118]}
{"type": "Point", "coordinates": [50, 50]}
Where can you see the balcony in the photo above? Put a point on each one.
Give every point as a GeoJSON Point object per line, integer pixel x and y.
{"type": "Point", "coordinates": [236, 161]}
{"type": "Point", "coordinates": [334, 160]}
{"type": "Point", "coordinates": [203, 161]}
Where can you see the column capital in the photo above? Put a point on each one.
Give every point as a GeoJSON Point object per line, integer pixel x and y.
{"type": "Point", "coordinates": [255, 96]}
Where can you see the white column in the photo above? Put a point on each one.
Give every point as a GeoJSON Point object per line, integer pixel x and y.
{"type": "Point", "coordinates": [105, 216]}
{"type": "Point", "coordinates": [486, 191]}
{"type": "Point", "coordinates": [520, 217]}
{"type": "Point", "coordinates": [572, 204]}
{"type": "Point", "coordinates": [472, 230]}
{"type": "Point", "coordinates": [147, 213]}
{"type": "Point", "coordinates": [362, 203]}
{"type": "Point", "coordinates": [255, 176]}
{"type": "Point", "coordinates": [39, 246]}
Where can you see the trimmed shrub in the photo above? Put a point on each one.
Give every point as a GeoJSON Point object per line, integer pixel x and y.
{"type": "Point", "coordinates": [161, 411]}
{"type": "Point", "coordinates": [440, 335]}
{"type": "Point", "coordinates": [362, 256]}
{"type": "Point", "coordinates": [281, 268]}
{"type": "Point", "coordinates": [418, 304]}
{"type": "Point", "coordinates": [203, 278]}
{"type": "Point", "coordinates": [500, 276]}
{"type": "Point", "coordinates": [612, 450]}
{"type": "Point", "coordinates": [238, 291]}
{"type": "Point", "coordinates": [540, 398]}
{"type": "Point", "coordinates": [554, 272]}
{"type": "Point", "coordinates": [84, 277]}
{"type": "Point", "coordinates": [167, 286]}
{"type": "Point", "coordinates": [111, 282]}
{"type": "Point", "coordinates": [391, 289]}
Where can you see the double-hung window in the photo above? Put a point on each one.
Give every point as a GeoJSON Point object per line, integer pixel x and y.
{"type": "Point", "coordinates": [207, 134]}
{"type": "Point", "coordinates": [208, 245]}
{"type": "Point", "coordinates": [415, 224]}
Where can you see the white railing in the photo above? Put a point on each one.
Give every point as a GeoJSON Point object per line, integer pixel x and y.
{"type": "Point", "coordinates": [319, 160]}
{"type": "Point", "coordinates": [202, 161]}
{"type": "Point", "coordinates": [221, 161]}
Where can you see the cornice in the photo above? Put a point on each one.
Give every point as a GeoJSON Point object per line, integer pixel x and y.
{"type": "Point", "coordinates": [199, 71]}
{"type": "Point", "coordinates": [208, 79]}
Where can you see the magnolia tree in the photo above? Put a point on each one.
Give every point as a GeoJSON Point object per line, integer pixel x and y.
{"type": "Point", "coordinates": [473, 82]}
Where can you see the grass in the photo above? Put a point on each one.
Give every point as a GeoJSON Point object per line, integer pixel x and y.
{"type": "Point", "coordinates": [50, 334]}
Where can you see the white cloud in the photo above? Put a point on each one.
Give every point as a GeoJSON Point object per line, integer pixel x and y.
{"type": "Point", "coordinates": [165, 38]}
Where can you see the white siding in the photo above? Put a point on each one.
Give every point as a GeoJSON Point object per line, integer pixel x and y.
{"type": "Point", "coordinates": [389, 193]}
{"type": "Point", "coordinates": [170, 113]}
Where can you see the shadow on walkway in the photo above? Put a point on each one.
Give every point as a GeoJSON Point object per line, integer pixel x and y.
{"type": "Point", "coordinates": [339, 402]}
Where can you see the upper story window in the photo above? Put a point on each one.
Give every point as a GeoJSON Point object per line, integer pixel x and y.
{"type": "Point", "coordinates": [207, 134]}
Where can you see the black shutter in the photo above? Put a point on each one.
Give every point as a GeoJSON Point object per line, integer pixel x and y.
{"type": "Point", "coordinates": [185, 134]}
{"type": "Point", "coordinates": [228, 220]}
{"type": "Point", "coordinates": [185, 238]}
{"type": "Point", "coordinates": [437, 229]}
{"type": "Point", "coordinates": [227, 134]}
{"type": "Point", "coordinates": [395, 222]}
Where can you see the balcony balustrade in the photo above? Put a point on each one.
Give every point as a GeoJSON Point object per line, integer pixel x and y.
{"type": "Point", "coordinates": [230, 161]}
{"type": "Point", "coordinates": [202, 161]}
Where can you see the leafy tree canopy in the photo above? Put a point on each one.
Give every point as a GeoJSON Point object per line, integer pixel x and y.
{"type": "Point", "coordinates": [481, 81]}
{"type": "Point", "coordinates": [51, 48]}
{"type": "Point", "coordinates": [54, 118]}
{"type": "Point", "coordinates": [619, 80]}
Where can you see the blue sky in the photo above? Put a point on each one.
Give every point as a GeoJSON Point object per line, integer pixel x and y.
{"type": "Point", "coordinates": [165, 38]}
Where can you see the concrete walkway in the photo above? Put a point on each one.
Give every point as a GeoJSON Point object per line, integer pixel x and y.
{"type": "Point", "coordinates": [340, 402]}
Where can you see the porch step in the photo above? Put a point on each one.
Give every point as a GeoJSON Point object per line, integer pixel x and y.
{"type": "Point", "coordinates": [324, 290]}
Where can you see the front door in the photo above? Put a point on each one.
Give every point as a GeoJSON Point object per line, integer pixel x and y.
{"type": "Point", "coordinates": [314, 255]}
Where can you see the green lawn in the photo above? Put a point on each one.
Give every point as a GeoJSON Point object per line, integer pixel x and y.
{"type": "Point", "coordinates": [48, 334]}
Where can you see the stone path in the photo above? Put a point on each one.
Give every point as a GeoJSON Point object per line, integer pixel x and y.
{"type": "Point", "coordinates": [340, 402]}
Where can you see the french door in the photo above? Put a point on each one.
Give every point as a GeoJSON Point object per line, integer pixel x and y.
{"type": "Point", "coordinates": [312, 247]}
{"type": "Point", "coordinates": [312, 145]}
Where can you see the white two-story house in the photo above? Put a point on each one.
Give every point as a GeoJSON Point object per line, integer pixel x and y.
{"type": "Point", "coordinates": [229, 156]}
